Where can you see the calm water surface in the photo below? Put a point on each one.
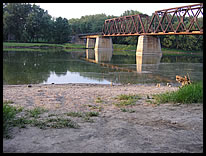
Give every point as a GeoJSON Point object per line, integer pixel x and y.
{"type": "Point", "coordinates": [24, 67]}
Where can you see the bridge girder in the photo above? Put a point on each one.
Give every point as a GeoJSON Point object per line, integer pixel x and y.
{"type": "Point", "coordinates": [161, 23]}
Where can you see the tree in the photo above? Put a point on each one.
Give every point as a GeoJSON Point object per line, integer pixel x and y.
{"type": "Point", "coordinates": [14, 19]}
{"type": "Point", "coordinates": [130, 12]}
{"type": "Point", "coordinates": [62, 30]}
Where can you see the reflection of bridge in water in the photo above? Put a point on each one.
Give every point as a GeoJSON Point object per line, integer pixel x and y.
{"type": "Point", "coordinates": [142, 63]}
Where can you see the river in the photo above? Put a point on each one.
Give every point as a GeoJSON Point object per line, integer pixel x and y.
{"type": "Point", "coordinates": [123, 67]}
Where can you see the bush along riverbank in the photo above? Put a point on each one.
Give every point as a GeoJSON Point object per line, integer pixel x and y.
{"type": "Point", "coordinates": [192, 93]}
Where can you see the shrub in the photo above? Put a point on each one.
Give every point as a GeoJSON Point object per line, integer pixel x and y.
{"type": "Point", "coordinates": [192, 93]}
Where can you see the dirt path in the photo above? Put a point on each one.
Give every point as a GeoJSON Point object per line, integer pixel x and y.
{"type": "Point", "coordinates": [140, 128]}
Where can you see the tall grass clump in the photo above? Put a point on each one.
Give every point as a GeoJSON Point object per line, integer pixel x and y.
{"type": "Point", "coordinates": [9, 114]}
{"type": "Point", "coordinates": [192, 93]}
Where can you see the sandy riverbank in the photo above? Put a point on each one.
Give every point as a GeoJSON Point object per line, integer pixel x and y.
{"type": "Point", "coordinates": [148, 128]}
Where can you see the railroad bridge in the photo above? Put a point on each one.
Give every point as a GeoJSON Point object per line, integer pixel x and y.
{"type": "Point", "coordinates": [162, 22]}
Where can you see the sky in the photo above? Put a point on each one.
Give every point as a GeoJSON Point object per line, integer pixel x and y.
{"type": "Point", "coordinates": [76, 10]}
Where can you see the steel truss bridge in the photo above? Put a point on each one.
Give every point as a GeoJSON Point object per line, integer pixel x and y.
{"type": "Point", "coordinates": [173, 21]}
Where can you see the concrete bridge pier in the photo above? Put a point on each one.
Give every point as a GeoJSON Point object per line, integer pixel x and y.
{"type": "Point", "coordinates": [90, 54]}
{"type": "Point", "coordinates": [103, 49]}
{"type": "Point", "coordinates": [90, 43]}
{"type": "Point", "coordinates": [103, 43]}
{"type": "Point", "coordinates": [148, 45]}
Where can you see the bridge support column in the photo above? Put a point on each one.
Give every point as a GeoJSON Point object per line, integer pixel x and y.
{"type": "Point", "coordinates": [90, 43]}
{"type": "Point", "coordinates": [148, 45]}
{"type": "Point", "coordinates": [90, 54]}
{"type": "Point", "coordinates": [103, 43]}
{"type": "Point", "coordinates": [103, 49]}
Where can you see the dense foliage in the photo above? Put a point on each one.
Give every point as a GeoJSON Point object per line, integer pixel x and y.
{"type": "Point", "coordinates": [23, 22]}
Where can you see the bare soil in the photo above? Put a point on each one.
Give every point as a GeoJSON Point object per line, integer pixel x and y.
{"type": "Point", "coordinates": [147, 128]}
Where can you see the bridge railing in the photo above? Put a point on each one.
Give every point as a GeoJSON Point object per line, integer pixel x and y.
{"type": "Point", "coordinates": [180, 20]}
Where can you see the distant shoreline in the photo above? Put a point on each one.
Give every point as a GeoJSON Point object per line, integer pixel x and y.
{"type": "Point", "coordinates": [42, 46]}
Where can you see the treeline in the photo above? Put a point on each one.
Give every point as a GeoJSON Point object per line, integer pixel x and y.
{"type": "Point", "coordinates": [24, 22]}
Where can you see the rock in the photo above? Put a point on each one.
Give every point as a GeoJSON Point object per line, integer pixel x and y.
{"type": "Point", "coordinates": [29, 86]}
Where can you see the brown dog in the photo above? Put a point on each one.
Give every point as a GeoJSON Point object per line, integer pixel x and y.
{"type": "Point", "coordinates": [184, 80]}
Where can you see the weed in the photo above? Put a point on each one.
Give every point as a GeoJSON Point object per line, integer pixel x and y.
{"type": "Point", "coordinates": [36, 112]}
{"type": "Point", "coordinates": [90, 114]}
{"type": "Point", "coordinates": [192, 93]}
{"type": "Point", "coordinates": [31, 117]}
{"type": "Point", "coordinates": [50, 115]}
{"type": "Point", "coordinates": [61, 123]}
{"type": "Point", "coordinates": [74, 114]}
{"type": "Point", "coordinates": [127, 110]}
{"type": "Point", "coordinates": [96, 107]}
{"type": "Point", "coordinates": [98, 100]}
{"type": "Point", "coordinates": [127, 97]}
{"type": "Point", "coordinates": [21, 122]}
{"type": "Point", "coordinates": [126, 100]}
{"type": "Point", "coordinates": [9, 113]}
{"type": "Point", "coordinates": [149, 101]}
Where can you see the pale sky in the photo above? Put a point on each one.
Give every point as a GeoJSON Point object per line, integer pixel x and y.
{"type": "Point", "coordinates": [76, 10]}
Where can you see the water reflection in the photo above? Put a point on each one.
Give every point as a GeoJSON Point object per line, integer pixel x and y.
{"type": "Point", "coordinates": [142, 62]}
{"type": "Point", "coordinates": [103, 55]}
{"type": "Point", "coordinates": [67, 67]}
{"type": "Point", "coordinates": [99, 55]}
{"type": "Point", "coordinates": [90, 54]}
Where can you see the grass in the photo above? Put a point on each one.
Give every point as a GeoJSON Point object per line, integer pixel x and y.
{"type": "Point", "coordinates": [126, 100]}
{"type": "Point", "coordinates": [9, 114]}
{"type": "Point", "coordinates": [192, 93]}
{"type": "Point", "coordinates": [179, 50]}
{"type": "Point", "coordinates": [124, 47]}
{"type": "Point", "coordinates": [134, 47]}
{"type": "Point", "coordinates": [74, 114]}
{"type": "Point", "coordinates": [99, 108]}
{"type": "Point", "coordinates": [33, 117]}
{"type": "Point", "coordinates": [127, 110]}
{"type": "Point", "coordinates": [86, 116]}
{"type": "Point", "coordinates": [98, 100]}
{"type": "Point", "coordinates": [12, 46]}
{"type": "Point", "coordinates": [36, 112]}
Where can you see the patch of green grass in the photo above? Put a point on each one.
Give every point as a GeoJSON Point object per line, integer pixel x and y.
{"type": "Point", "coordinates": [61, 123]}
{"type": "Point", "coordinates": [98, 100]}
{"type": "Point", "coordinates": [127, 110]}
{"type": "Point", "coordinates": [124, 47]}
{"type": "Point", "coordinates": [90, 114]}
{"type": "Point", "coordinates": [192, 93]}
{"type": "Point", "coordinates": [21, 122]}
{"type": "Point", "coordinates": [126, 100]}
{"type": "Point", "coordinates": [179, 50]}
{"type": "Point", "coordinates": [32, 117]}
{"type": "Point", "coordinates": [74, 114]}
{"type": "Point", "coordinates": [36, 112]}
{"type": "Point", "coordinates": [11, 46]}
{"type": "Point", "coordinates": [95, 107]}
{"type": "Point", "coordinates": [9, 114]}
{"type": "Point", "coordinates": [127, 97]}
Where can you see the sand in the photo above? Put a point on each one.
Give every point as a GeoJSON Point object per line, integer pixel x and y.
{"type": "Point", "coordinates": [148, 128]}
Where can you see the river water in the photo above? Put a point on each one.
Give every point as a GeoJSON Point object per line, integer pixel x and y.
{"type": "Point", "coordinates": [123, 67]}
